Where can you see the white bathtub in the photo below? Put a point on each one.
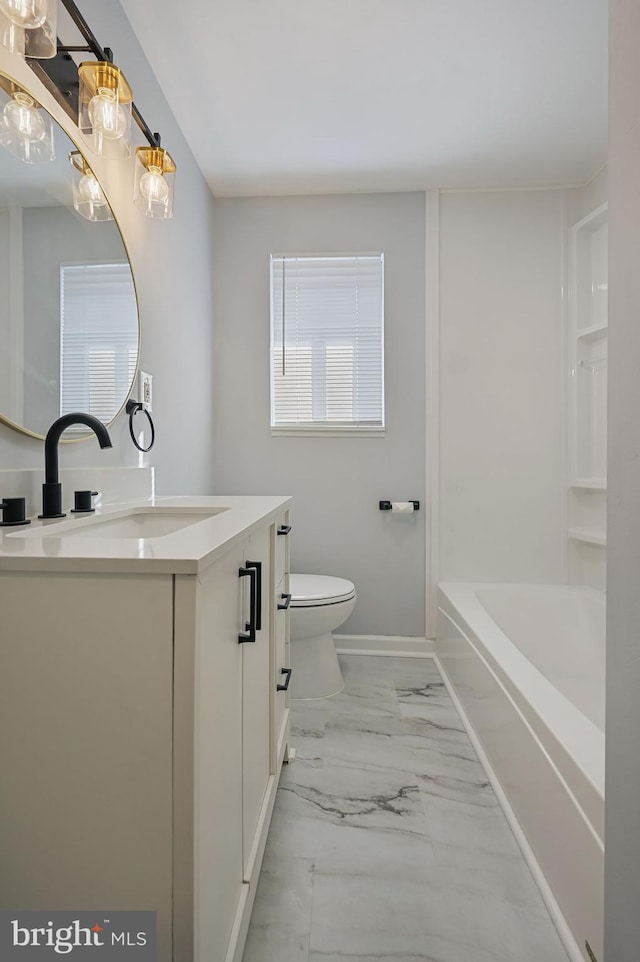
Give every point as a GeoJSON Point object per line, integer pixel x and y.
{"type": "Point", "coordinates": [527, 665]}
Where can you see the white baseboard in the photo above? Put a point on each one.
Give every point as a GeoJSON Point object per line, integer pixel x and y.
{"type": "Point", "coordinates": [565, 933]}
{"type": "Point", "coordinates": [390, 645]}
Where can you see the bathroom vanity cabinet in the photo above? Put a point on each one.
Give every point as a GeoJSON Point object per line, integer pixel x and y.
{"type": "Point", "coordinates": [143, 725]}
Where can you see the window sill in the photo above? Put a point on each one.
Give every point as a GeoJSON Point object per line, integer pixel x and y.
{"type": "Point", "coordinates": [322, 432]}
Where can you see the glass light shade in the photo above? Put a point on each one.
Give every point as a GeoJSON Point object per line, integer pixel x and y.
{"type": "Point", "coordinates": [105, 108]}
{"type": "Point", "coordinates": [28, 27]}
{"type": "Point", "coordinates": [26, 129]}
{"type": "Point", "coordinates": [154, 182]}
{"type": "Point", "coordinates": [88, 196]}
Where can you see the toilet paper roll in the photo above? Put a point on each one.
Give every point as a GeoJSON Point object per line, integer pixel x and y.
{"type": "Point", "coordinates": [402, 507]}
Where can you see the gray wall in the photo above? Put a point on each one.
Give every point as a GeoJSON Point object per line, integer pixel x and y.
{"type": "Point", "coordinates": [171, 263]}
{"type": "Point", "coordinates": [622, 829]}
{"type": "Point", "coordinates": [336, 482]}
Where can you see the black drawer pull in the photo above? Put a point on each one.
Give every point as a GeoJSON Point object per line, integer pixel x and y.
{"type": "Point", "coordinates": [288, 672]}
{"type": "Point", "coordinates": [287, 602]}
{"type": "Point", "coordinates": [258, 589]}
{"type": "Point", "coordinates": [284, 529]}
{"type": "Point", "coordinates": [250, 633]}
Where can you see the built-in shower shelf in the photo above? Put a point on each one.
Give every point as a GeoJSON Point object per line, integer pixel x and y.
{"type": "Point", "coordinates": [588, 536]}
{"type": "Point", "coordinates": [587, 337]}
{"type": "Point", "coordinates": [593, 331]}
{"type": "Point", "coordinates": [588, 349]}
{"type": "Point", "coordinates": [590, 484]}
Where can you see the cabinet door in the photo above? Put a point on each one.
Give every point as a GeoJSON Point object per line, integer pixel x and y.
{"type": "Point", "coordinates": [282, 532]}
{"type": "Point", "coordinates": [256, 702]}
{"type": "Point", "coordinates": [85, 743]}
{"type": "Point", "coordinates": [280, 700]}
{"type": "Point", "coordinates": [280, 678]}
{"type": "Point", "coordinates": [218, 874]}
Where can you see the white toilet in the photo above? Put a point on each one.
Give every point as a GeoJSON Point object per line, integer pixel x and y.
{"type": "Point", "coordinates": [319, 604]}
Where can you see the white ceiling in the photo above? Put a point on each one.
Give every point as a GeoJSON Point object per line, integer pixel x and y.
{"type": "Point", "coordinates": [301, 96]}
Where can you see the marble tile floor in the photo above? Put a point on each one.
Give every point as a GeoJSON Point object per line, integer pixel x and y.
{"type": "Point", "coordinates": [387, 842]}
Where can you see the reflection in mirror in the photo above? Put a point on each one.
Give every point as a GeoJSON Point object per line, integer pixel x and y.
{"type": "Point", "coordinates": [68, 312]}
{"type": "Point", "coordinates": [26, 129]}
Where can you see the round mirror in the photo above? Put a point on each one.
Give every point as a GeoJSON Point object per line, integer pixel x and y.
{"type": "Point", "coordinates": [69, 332]}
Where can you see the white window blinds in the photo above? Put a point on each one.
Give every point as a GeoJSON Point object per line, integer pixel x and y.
{"type": "Point", "coordinates": [327, 342]}
{"type": "Point", "coordinates": [99, 338]}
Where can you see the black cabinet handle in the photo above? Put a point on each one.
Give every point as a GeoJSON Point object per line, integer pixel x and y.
{"type": "Point", "coordinates": [284, 529]}
{"type": "Point", "coordinates": [287, 602]}
{"type": "Point", "coordinates": [258, 567]}
{"type": "Point", "coordinates": [288, 672]}
{"type": "Point", "coordinates": [250, 633]}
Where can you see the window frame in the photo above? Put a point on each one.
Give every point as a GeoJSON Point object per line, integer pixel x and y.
{"type": "Point", "coordinates": [316, 429]}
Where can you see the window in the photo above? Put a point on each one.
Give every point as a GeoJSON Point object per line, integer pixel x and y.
{"type": "Point", "coordinates": [327, 343]}
{"type": "Point", "coordinates": [99, 337]}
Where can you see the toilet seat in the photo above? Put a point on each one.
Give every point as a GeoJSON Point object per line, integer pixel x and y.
{"type": "Point", "coordinates": [313, 591]}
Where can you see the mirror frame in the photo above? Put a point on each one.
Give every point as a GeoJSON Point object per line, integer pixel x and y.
{"type": "Point", "coordinates": [4, 419]}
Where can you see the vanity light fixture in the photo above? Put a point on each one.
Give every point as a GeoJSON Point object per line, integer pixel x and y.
{"type": "Point", "coordinates": [28, 27]}
{"type": "Point", "coordinates": [104, 115]}
{"type": "Point", "coordinates": [88, 196]}
{"type": "Point", "coordinates": [26, 129]}
{"type": "Point", "coordinates": [103, 112]}
{"type": "Point", "coordinates": [154, 176]}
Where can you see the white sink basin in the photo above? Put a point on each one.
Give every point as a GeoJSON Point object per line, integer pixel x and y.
{"type": "Point", "coordinates": [140, 525]}
{"type": "Point", "coordinates": [151, 522]}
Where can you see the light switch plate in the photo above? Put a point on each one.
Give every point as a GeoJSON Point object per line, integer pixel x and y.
{"type": "Point", "coordinates": [146, 390]}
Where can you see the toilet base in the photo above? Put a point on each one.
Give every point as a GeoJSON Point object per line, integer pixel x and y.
{"type": "Point", "coordinates": [316, 669]}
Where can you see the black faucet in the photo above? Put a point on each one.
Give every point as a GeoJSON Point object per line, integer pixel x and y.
{"type": "Point", "coordinates": [52, 489]}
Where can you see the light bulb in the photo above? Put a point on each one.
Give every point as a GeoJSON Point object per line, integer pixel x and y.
{"type": "Point", "coordinates": [154, 187]}
{"type": "Point", "coordinates": [23, 118]}
{"type": "Point", "coordinates": [90, 190]}
{"type": "Point", "coordinates": [29, 14]}
{"type": "Point", "coordinates": [106, 114]}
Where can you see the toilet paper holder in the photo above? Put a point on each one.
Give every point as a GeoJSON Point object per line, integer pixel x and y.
{"type": "Point", "coordinates": [386, 505]}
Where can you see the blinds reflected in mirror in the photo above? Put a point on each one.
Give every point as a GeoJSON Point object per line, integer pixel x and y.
{"type": "Point", "coordinates": [99, 338]}
{"type": "Point", "coordinates": [327, 337]}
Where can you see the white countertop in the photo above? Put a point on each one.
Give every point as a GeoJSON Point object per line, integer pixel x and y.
{"type": "Point", "coordinates": [48, 546]}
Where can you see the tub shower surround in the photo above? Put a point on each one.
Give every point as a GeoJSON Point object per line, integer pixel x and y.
{"type": "Point", "coordinates": [387, 842]}
{"type": "Point", "coordinates": [527, 665]}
